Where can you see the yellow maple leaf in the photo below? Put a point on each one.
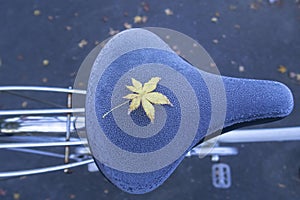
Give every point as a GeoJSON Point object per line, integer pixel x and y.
{"type": "Point", "coordinates": [143, 94]}
{"type": "Point", "coordinates": [282, 69]}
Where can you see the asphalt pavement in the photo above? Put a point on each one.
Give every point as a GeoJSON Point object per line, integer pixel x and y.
{"type": "Point", "coordinates": [44, 43]}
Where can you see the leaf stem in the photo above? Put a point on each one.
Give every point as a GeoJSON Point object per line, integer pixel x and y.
{"type": "Point", "coordinates": [118, 106]}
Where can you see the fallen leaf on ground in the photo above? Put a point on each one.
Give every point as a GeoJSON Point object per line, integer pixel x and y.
{"type": "Point", "coordinates": [241, 68]}
{"type": "Point", "coordinates": [113, 32]}
{"type": "Point", "coordinates": [232, 7]}
{"type": "Point", "coordinates": [237, 26]}
{"type": "Point", "coordinates": [292, 75]}
{"type": "Point", "coordinates": [37, 12]}
{"type": "Point", "coordinates": [127, 25]}
{"type": "Point", "coordinates": [137, 19]}
{"type": "Point", "coordinates": [168, 11]}
{"type": "Point", "coordinates": [144, 19]}
{"type": "Point", "coordinates": [16, 196]}
{"type": "Point", "coordinates": [45, 80]}
{"type": "Point", "coordinates": [24, 104]}
{"type": "Point", "coordinates": [2, 192]}
{"type": "Point", "coordinates": [215, 41]}
{"type": "Point", "coordinates": [145, 6]}
{"type": "Point", "coordinates": [282, 69]}
{"type": "Point", "coordinates": [45, 62]}
{"type": "Point", "coordinates": [281, 185]}
{"type": "Point", "coordinates": [82, 43]}
{"type": "Point", "coordinates": [68, 28]}
{"type": "Point", "coordinates": [214, 19]}
{"type": "Point", "coordinates": [20, 57]}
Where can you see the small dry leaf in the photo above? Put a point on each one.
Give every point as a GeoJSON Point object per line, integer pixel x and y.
{"type": "Point", "coordinates": [254, 6]}
{"type": "Point", "coordinates": [2, 192]}
{"type": "Point", "coordinates": [144, 19]}
{"type": "Point", "coordinates": [143, 94]}
{"type": "Point", "coordinates": [241, 68]}
{"type": "Point", "coordinates": [68, 28]}
{"type": "Point", "coordinates": [281, 185]}
{"type": "Point", "coordinates": [214, 19]}
{"type": "Point", "coordinates": [168, 11]}
{"type": "Point", "coordinates": [24, 104]}
{"type": "Point", "coordinates": [145, 6]}
{"type": "Point", "coordinates": [127, 25]}
{"type": "Point", "coordinates": [16, 196]}
{"type": "Point", "coordinates": [113, 32]}
{"type": "Point", "coordinates": [82, 43]}
{"type": "Point", "coordinates": [215, 41]}
{"type": "Point", "coordinates": [45, 62]}
{"type": "Point", "coordinates": [50, 18]}
{"type": "Point", "coordinates": [232, 7]}
{"type": "Point", "coordinates": [237, 26]}
{"type": "Point", "coordinates": [282, 69]}
{"type": "Point", "coordinates": [20, 57]}
{"type": "Point", "coordinates": [72, 196]}
{"type": "Point", "coordinates": [137, 19]}
{"type": "Point", "coordinates": [298, 77]}
{"type": "Point", "coordinates": [106, 191]}
{"type": "Point", "coordinates": [37, 12]}
{"type": "Point", "coordinates": [292, 75]}
{"type": "Point", "coordinates": [45, 80]}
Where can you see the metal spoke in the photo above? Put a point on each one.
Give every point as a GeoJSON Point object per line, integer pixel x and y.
{"type": "Point", "coordinates": [38, 152]}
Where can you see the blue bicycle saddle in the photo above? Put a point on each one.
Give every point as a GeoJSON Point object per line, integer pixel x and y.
{"type": "Point", "coordinates": [137, 153]}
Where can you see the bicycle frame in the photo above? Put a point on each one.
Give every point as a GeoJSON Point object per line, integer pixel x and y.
{"type": "Point", "coordinates": [60, 121]}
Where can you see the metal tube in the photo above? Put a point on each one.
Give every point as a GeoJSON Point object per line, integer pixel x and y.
{"type": "Point", "coordinates": [44, 170]}
{"type": "Point", "coordinates": [42, 144]}
{"type": "Point", "coordinates": [37, 152]}
{"type": "Point", "coordinates": [42, 111]}
{"type": "Point", "coordinates": [68, 124]}
{"type": "Point", "coordinates": [259, 135]}
{"type": "Point", "coordinates": [38, 124]}
{"type": "Point", "coordinates": [42, 89]}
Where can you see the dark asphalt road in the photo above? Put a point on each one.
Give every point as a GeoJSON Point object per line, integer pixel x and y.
{"type": "Point", "coordinates": [251, 35]}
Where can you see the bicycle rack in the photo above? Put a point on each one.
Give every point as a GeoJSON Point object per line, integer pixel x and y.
{"type": "Point", "coordinates": [29, 121]}
{"type": "Point", "coordinates": [62, 121]}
